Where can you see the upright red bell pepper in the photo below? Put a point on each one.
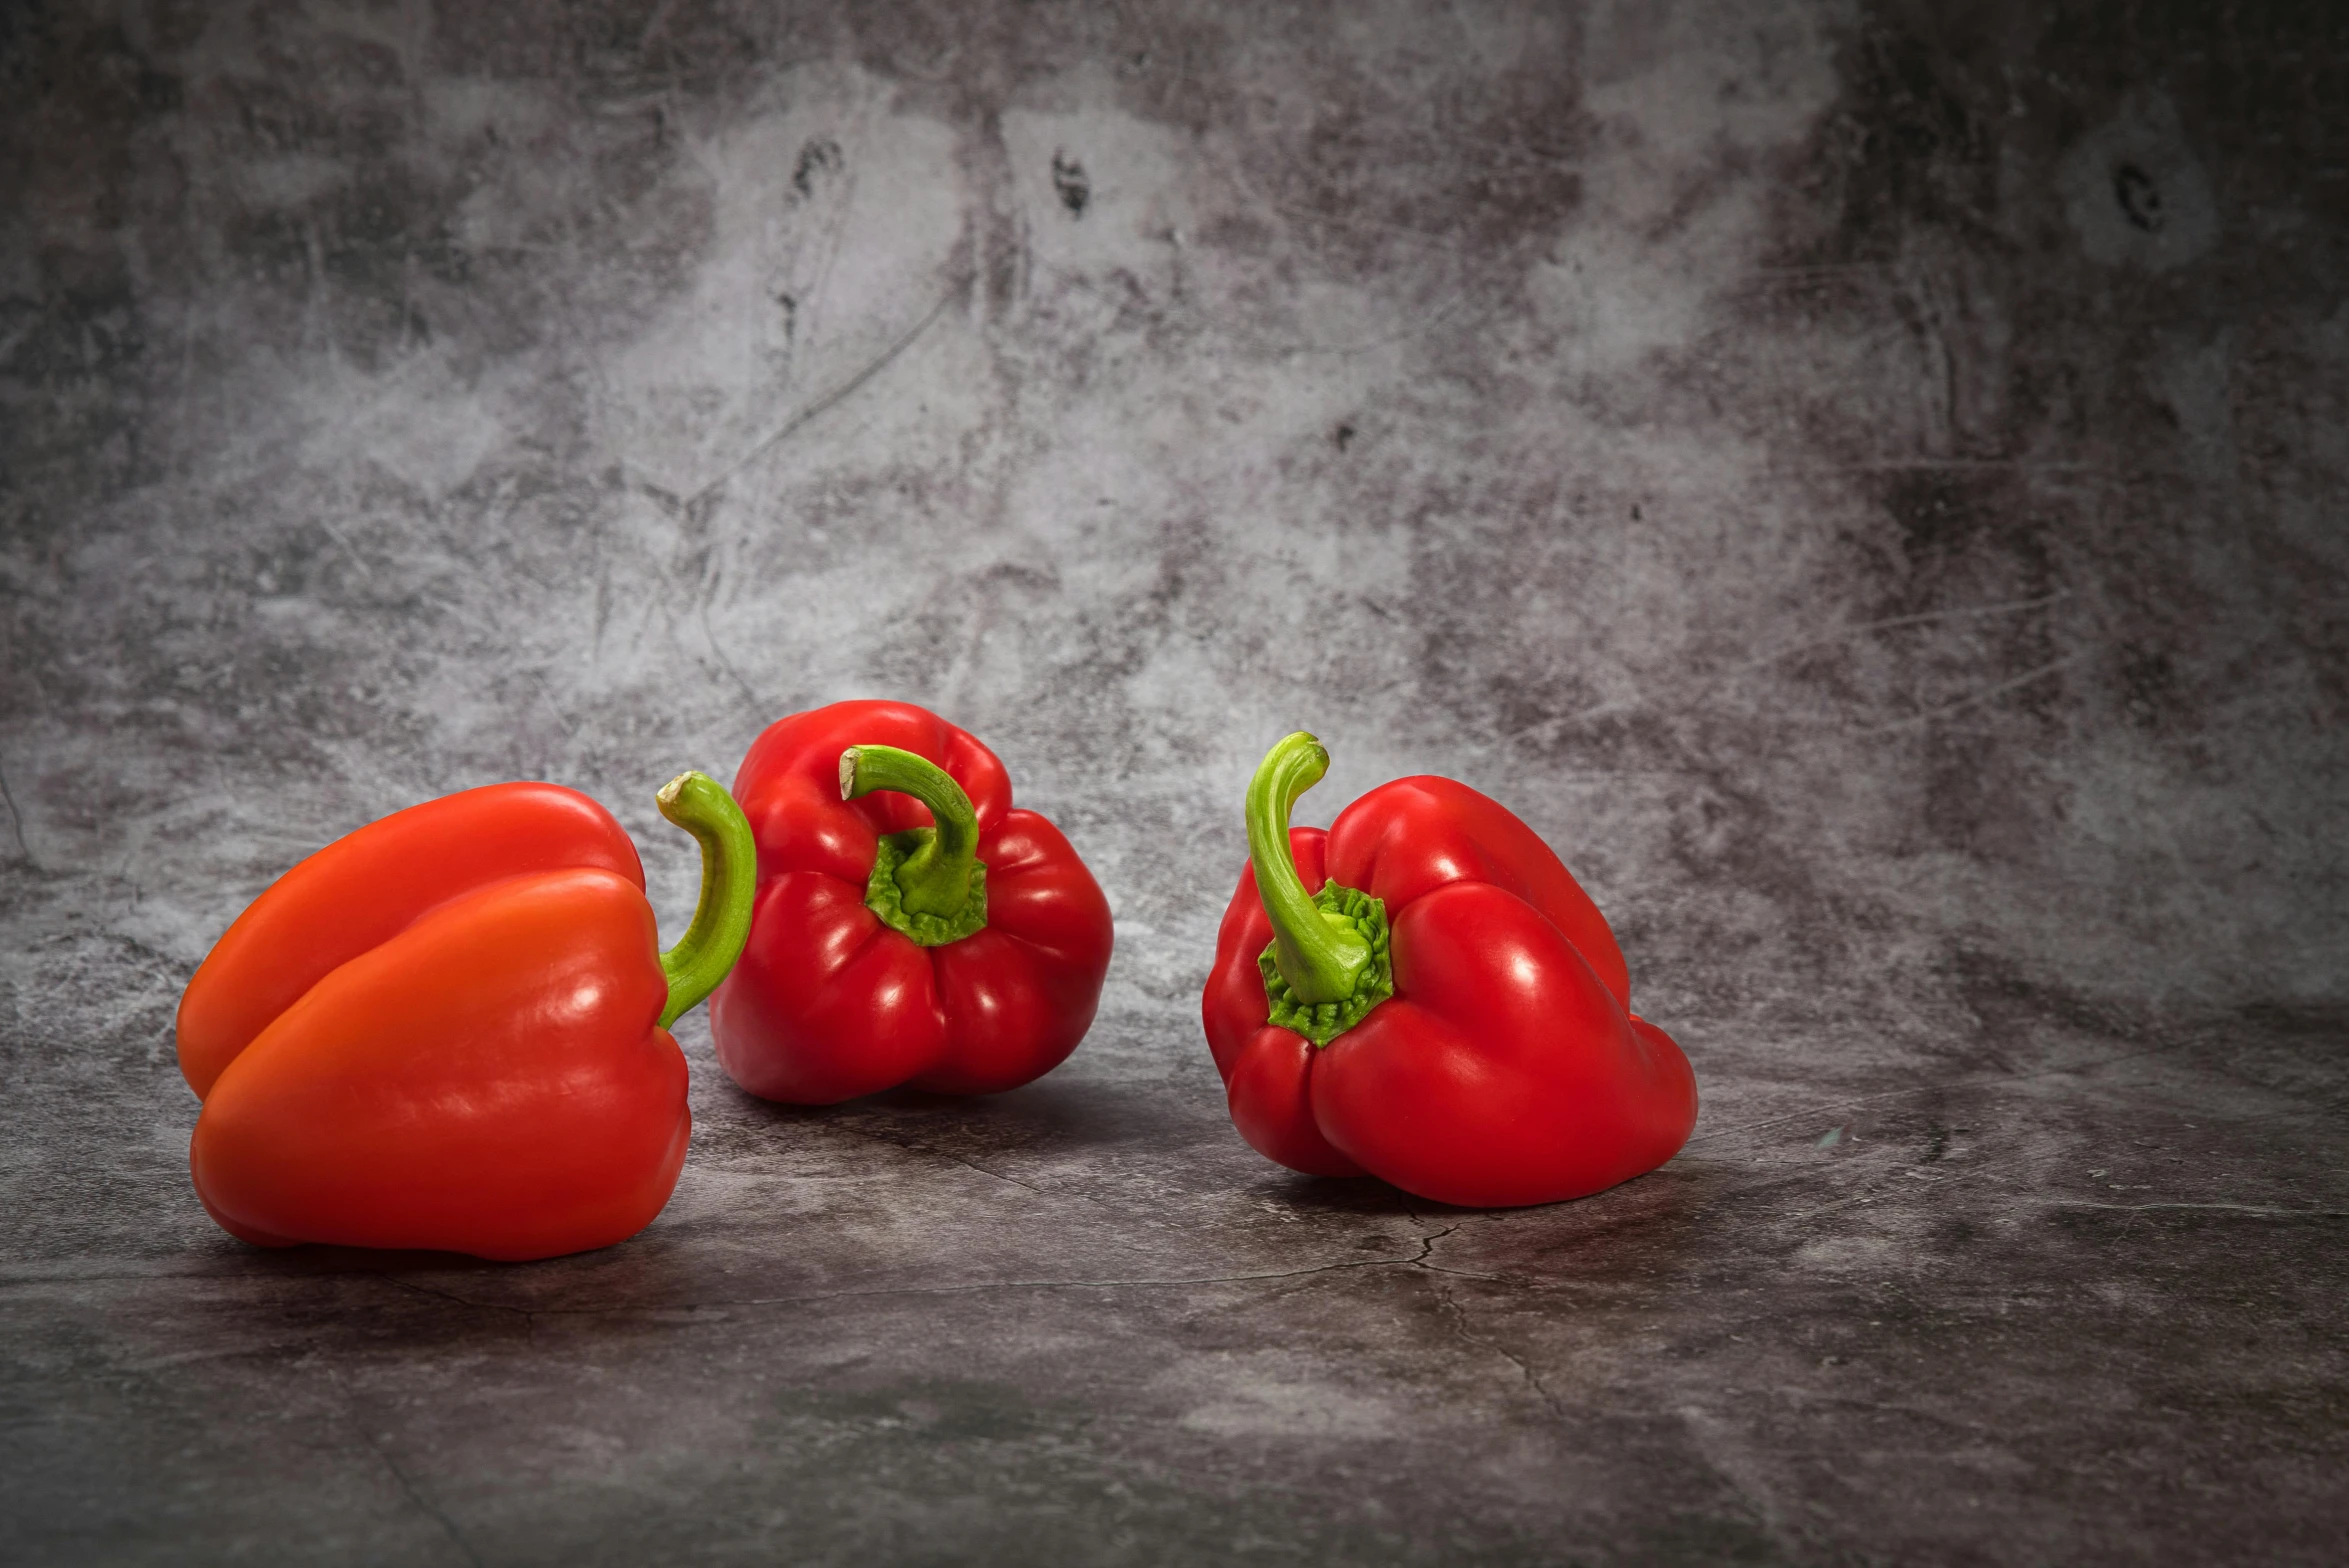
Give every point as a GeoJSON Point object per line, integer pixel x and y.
{"type": "Point", "coordinates": [1424, 994]}
{"type": "Point", "coordinates": [449, 1029]}
{"type": "Point", "coordinates": [911, 927]}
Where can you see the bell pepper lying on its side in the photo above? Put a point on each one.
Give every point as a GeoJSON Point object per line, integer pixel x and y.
{"type": "Point", "coordinates": [1423, 993]}
{"type": "Point", "coordinates": [911, 927]}
{"type": "Point", "coordinates": [449, 1029]}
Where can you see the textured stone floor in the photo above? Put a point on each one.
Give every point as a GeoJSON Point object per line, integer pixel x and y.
{"type": "Point", "coordinates": [1866, 481]}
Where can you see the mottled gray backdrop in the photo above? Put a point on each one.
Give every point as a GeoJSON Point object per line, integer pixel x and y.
{"type": "Point", "coordinates": [1867, 481]}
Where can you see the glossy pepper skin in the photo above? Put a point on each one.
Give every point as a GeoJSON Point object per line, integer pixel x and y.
{"type": "Point", "coordinates": [448, 1029]}
{"type": "Point", "coordinates": [1476, 1041]}
{"type": "Point", "coordinates": [931, 976]}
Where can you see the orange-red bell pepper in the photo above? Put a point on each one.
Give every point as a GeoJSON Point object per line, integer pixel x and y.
{"type": "Point", "coordinates": [449, 1029]}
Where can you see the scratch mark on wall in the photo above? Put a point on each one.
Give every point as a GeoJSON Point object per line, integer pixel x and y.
{"type": "Point", "coordinates": [1976, 699]}
{"type": "Point", "coordinates": [838, 395]}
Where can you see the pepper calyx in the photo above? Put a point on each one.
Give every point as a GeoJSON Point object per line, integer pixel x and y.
{"type": "Point", "coordinates": [1328, 965]}
{"type": "Point", "coordinates": [1342, 908]}
{"type": "Point", "coordinates": [927, 883]}
{"type": "Point", "coordinates": [885, 895]}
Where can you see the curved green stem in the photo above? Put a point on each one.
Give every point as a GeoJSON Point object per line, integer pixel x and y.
{"type": "Point", "coordinates": [937, 869]}
{"type": "Point", "coordinates": [729, 880]}
{"type": "Point", "coordinates": [1321, 955]}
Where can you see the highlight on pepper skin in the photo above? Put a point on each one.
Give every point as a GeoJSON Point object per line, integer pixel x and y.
{"type": "Point", "coordinates": [449, 1029]}
{"type": "Point", "coordinates": [913, 928]}
{"type": "Point", "coordinates": [1423, 993]}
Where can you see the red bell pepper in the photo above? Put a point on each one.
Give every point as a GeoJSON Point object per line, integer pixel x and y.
{"type": "Point", "coordinates": [911, 927]}
{"type": "Point", "coordinates": [449, 1029]}
{"type": "Point", "coordinates": [1424, 994]}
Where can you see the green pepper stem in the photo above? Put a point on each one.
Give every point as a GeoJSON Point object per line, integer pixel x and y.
{"type": "Point", "coordinates": [935, 877]}
{"type": "Point", "coordinates": [1320, 955]}
{"type": "Point", "coordinates": [729, 880]}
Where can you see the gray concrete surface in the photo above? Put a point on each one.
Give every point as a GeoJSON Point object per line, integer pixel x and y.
{"type": "Point", "coordinates": [1867, 481]}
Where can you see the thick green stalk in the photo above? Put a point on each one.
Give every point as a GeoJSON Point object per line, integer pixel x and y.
{"type": "Point", "coordinates": [927, 882]}
{"type": "Point", "coordinates": [1319, 953]}
{"type": "Point", "coordinates": [729, 879]}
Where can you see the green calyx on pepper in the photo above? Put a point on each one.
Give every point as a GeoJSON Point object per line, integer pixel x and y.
{"type": "Point", "coordinates": [1328, 964]}
{"type": "Point", "coordinates": [928, 883]}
